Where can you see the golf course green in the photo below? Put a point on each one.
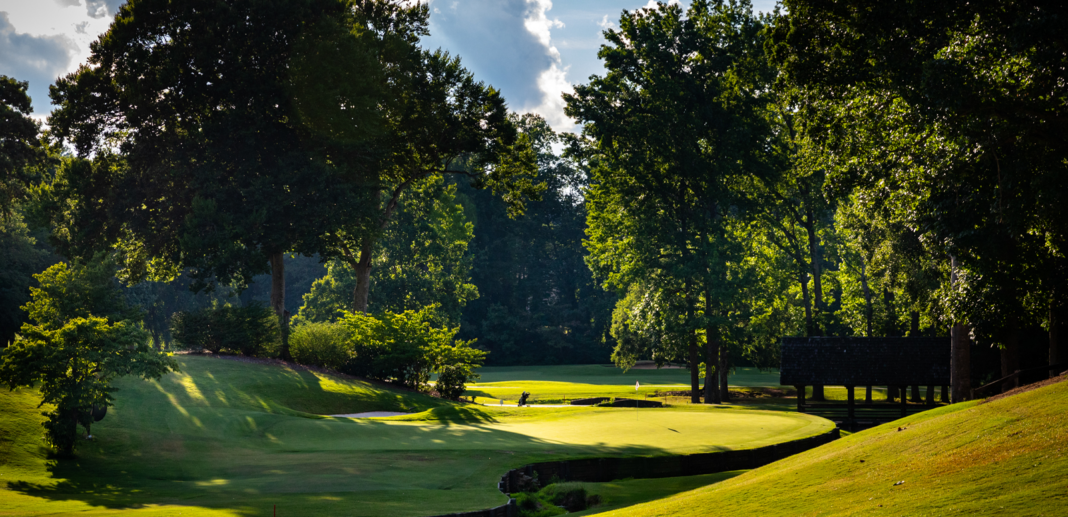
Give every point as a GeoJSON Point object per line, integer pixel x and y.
{"type": "Point", "coordinates": [226, 437]}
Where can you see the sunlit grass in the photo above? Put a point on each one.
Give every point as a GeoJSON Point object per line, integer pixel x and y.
{"type": "Point", "coordinates": [231, 438]}
{"type": "Point", "coordinates": [1005, 457]}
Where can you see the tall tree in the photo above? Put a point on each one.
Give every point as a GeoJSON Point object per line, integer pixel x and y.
{"type": "Point", "coordinates": [439, 122]}
{"type": "Point", "coordinates": [952, 115]}
{"type": "Point", "coordinates": [82, 336]}
{"type": "Point", "coordinates": [219, 142]}
{"type": "Point", "coordinates": [671, 129]}
{"type": "Point", "coordinates": [19, 146]}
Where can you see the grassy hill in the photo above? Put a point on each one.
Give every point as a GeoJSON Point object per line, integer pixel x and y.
{"type": "Point", "coordinates": [1002, 457]}
{"type": "Point", "coordinates": [225, 437]}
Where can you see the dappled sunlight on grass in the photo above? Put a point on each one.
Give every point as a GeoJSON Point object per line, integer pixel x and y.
{"type": "Point", "coordinates": [237, 437]}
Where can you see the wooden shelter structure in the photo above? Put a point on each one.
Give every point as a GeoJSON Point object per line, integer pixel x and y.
{"type": "Point", "coordinates": [858, 361]}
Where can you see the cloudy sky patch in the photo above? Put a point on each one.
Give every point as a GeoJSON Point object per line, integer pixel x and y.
{"type": "Point", "coordinates": [531, 50]}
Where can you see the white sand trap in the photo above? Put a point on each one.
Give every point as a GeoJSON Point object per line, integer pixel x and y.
{"type": "Point", "coordinates": [370, 414]}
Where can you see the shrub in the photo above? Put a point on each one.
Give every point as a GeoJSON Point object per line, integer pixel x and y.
{"type": "Point", "coordinates": [455, 366]}
{"type": "Point", "coordinates": [320, 344]}
{"type": "Point", "coordinates": [406, 348]}
{"type": "Point", "coordinates": [251, 330]}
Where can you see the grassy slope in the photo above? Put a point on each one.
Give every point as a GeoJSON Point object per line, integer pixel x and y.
{"type": "Point", "coordinates": [1004, 457]}
{"type": "Point", "coordinates": [231, 438]}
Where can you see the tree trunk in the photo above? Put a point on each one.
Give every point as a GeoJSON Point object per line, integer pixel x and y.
{"type": "Point", "coordinates": [914, 324]}
{"type": "Point", "coordinates": [1010, 357]}
{"type": "Point", "coordinates": [363, 277]}
{"type": "Point", "coordinates": [1055, 333]}
{"type": "Point", "coordinates": [891, 393]}
{"type": "Point", "coordinates": [810, 329]}
{"type": "Point", "coordinates": [724, 369]}
{"type": "Point", "coordinates": [278, 301]}
{"type": "Point", "coordinates": [867, 394]}
{"type": "Point", "coordinates": [278, 283]}
{"type": "Point", "coordinates": [916, 394]}
{"type": "Point", "coordinates": [712, 395]}
{"type": "Point", "coordinates": [868, 311]}
{"type": "Point", "coordinates": [814, 254]}
{"type": "Point", "coordinates": [712, 350]}
{"type": "Point", "coordinates": [960, 370]}
{"type": "Point", "coordinates": [695, 377]}
{"type": "Point", "coordinates": [695, 374]}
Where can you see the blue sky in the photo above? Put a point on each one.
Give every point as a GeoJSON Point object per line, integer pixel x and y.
{"type": "Point", "coordinates": [531, 50]}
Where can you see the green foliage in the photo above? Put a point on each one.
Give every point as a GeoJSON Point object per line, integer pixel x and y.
{"type": "Point", "coordinates": [530, 505]}
{"type": "Point", "coordinates": [250, 330]}
{"type": "Point", "coordinates": [22, 253]}
{"type": "Point", "coordinates": [670, 132]}
{"type": "Point", "coordinates": [66, 292]}
{"type": "Point", "coordinates": [82, 337]}
{"type": "Point", "coordinates": [320, 344]}
{"type": "Point", "coordinates": [538, 302]}
{"type": "Point", "coordinates": [19, 147]}
{"type": "Point", "coordinates": [250, 159]}
{"type": "Point", "coordinates": [440, 121]}
{"type": "Point", "coordinates": [406, 348]}
{"type": "Point", "coordinates": [940, 126]}
{"type": "Point", "coordinates": [421, 259]}
{"type": "Point", "coordinates": [456, 367]}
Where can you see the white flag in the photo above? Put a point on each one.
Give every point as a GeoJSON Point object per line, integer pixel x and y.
{"type": "Point", "coordinates": [637, 385]}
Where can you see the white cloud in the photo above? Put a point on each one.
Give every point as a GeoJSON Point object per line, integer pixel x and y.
{"type": "Point", "coordinates": [653, 3]}
{"type": "Point", "coordinates": [42, 40]}
{"type": "Point", "coordinates": [552, 82]}
{"type": "Point", "coordinates": [605, 24]}
{"type": "Point", "coordinates": [539, 24]}
{"type": "Point", "coordinates": [509, 44]}
{"type": "Point", "coordinates": [36, 59]}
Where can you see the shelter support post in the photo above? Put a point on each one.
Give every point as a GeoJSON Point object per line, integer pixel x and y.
{"type": "Point", "coordinates": [850, 406]}
{"type": "Point", "coordinates": [800, 399]}
{"type": "Point", "coordinates": [867, 394]}
{"type": "Point", "coordinates": [904, 402]}
{"type": "Point", "coordinates": [945, 394]}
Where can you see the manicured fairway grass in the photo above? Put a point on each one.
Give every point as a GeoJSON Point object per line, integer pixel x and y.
{"type": "Point", "coordinates": [1004, 457]}
{"type": "Point", "coordinates": [560, 384]}
{"type": "Point", "coordinates": [230, 438]}
{"type": "Point", "coordinates": [555, 384]}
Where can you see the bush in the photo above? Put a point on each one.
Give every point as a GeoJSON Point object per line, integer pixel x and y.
{"type": "Point", "coordinates": [251, 330]}
{"type": "Point", "coordinates": [320, 344]}
{"type": "Point", "coordinates": [456, 367]}
{"type": "Point", "coordinates": [407, 348]}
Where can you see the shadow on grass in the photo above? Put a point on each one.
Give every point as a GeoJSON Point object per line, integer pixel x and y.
{"type": "Point", "coordinates": [459, 415]}
{"type": "Point", "coordinates": [215, 437]}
